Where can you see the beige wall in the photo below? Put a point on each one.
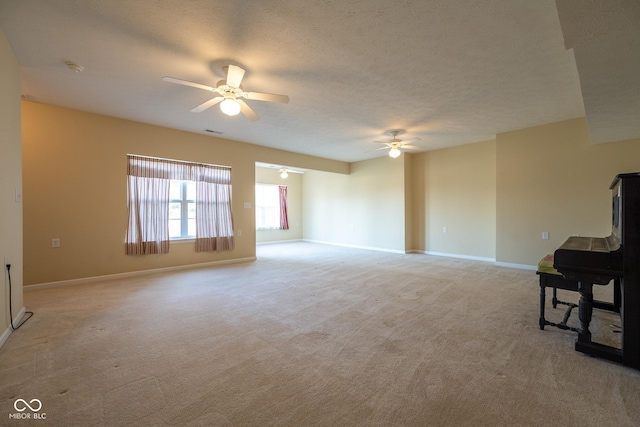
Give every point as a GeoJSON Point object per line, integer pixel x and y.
{"type": "Point", "coordinates": [409, 222]}
{"type": "Point", "coordinates": [363, 209]}
{"type": "Point", "coordinates": [294, 205]}
{"type": "Point", "coordinates": [456, 188]}
{"type": "Point", "coordinates": [495, 197]}
{"type": "Point", "coordinates": [551, 178]}
{"type": "Point", "coordinates": [75, 190]}
{"type": "Point", "coordinates": [10, 181]}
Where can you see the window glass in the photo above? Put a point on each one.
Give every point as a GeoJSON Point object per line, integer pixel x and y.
{"type": "Point", "coordinates": [175, 189]}
{"type": "Point", "coordinates": [267, 207]}
{"type": "Point", "coordinates": [191, 190]}
{"type": "Point", "coordinates": [182, 209]}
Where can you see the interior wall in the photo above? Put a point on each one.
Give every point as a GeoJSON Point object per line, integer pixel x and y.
{"type": "Point", "coordinates": [75, 190]}
{"type": "Point", "coordinates": [10, 183]}
{"type": "Point", "coordinates": [409, 222]}
{"type": "Point", "coordinates": [494, 197]}
{"type": "Point", "coordinates": [363, 209]}
{"type": "Point", "coordinates": [294, 205]}
{"type": "Point", "coordinates": [455, 190]}
{"type": "Point", "coordinates": [551, 179]}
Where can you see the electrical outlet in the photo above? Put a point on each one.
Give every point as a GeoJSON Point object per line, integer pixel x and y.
{"type": "Point", "coordinates": [7, 261]}
{"type": "Point", "coordinates": [545, 235]}
{"type": "Point", "coordinates": [445, 229]}
{"type": "Point", "coordinates": [55, 243]}
{"type": "Point", "coordinates": [239, 233]}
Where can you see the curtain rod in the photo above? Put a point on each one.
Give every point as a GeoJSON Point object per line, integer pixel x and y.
{"type": "Point", "coordinates": [180, 161]}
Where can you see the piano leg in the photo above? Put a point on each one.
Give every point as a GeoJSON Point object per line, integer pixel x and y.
{"type": "Point", "coordinates": [541, 321]}
{"type": "Point", "coordinates": [585, 310]}
{"type": "Point", "coordinates": [584, 343]}
{"type": "Point", "coordinates": [617, 295]}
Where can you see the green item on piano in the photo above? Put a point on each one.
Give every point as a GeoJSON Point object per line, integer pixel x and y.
{"type": "Point", "coordinates": [546, 265]}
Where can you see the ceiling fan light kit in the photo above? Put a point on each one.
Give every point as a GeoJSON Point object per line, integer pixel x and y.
{"type": "Point", "coordinates": [230, 92]}
{"type": "Point", "coordinates": [396, 144]}
{"type": "Point", "coordinates": [230, 107]}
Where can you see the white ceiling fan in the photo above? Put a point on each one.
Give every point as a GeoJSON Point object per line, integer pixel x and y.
{"type": "Point", "coordinates": [231, 94]}
{"type": "Point", "coordinates": [396, 144]}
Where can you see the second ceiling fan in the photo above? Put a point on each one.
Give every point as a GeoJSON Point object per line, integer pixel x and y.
{"type": "Point", "coordinates": [230, 94]}
{"type": "Point", "coordinates": [396, 144]}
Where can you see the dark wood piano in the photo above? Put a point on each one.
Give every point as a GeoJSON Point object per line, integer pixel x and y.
{"type": "Point", "coordinates": [600, 260]}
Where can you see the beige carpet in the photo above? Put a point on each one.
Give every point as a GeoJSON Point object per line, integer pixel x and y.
{"type": "Point", "coordinates": [312, 335]}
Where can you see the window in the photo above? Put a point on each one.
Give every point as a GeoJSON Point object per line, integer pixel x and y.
{"type": "Point", "coordinates": [169, 199]}
{"type": "Point", "coordinates": [271, 207]}
{"type": "Point", "coordinates": [182, 209]}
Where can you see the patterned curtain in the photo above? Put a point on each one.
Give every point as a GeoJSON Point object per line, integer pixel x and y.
{"type": "Point", "coordinates": [284, 217]}
{"type": "Point", "coordinates": [148, 204]}
{"type": "Point", "coordinates": [214, 219]}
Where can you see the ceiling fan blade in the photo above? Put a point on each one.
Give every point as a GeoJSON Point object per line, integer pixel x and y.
{"type": "Point", "coordinates": [283, 168]}
{"type": "Point", "coordinates": [270, 97]}
{"type": "Point", "coordinates": [246, 110]}
{"type": "Point", "coordinates": [411, 147]}
{"type": "Point", "coordinates": [187, 83]}
{"type": "Point", "coordinates": [377, 149]}
{"type": "Point", "coordinates": [234, 75]}
{"type": "Point", "coordinates": [210, 103]}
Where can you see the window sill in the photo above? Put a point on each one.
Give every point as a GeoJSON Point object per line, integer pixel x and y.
{"type": "Point", "coordinates": [180, 240]}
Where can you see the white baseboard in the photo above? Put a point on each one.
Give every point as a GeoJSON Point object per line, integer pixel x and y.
{"type": "Point", "coordinates": [5, 335]}
{"type": "Point", "coordinates": [275, 242]}
{"type": "Point", "coordinates": [344, 245]}
{"type": "Point", "coordinates": [476, 258]}
{"type": "Point", "coordinates": [397, 251]}
{"type": "Point", "coordinates": [518, 266]}
{"type": "Point", "coordinates": [461, 256]}
{"type": "Point", "coordinates": [94, 279]}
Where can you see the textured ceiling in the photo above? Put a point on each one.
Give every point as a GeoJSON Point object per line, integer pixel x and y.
{"type": "Point", "coordinates": [450, 72]}
{"type": "Point", "coordinates": [605, 38]}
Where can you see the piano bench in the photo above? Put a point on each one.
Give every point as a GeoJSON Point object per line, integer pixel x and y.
{"type": "Point", "coordinates": [550, 277]}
